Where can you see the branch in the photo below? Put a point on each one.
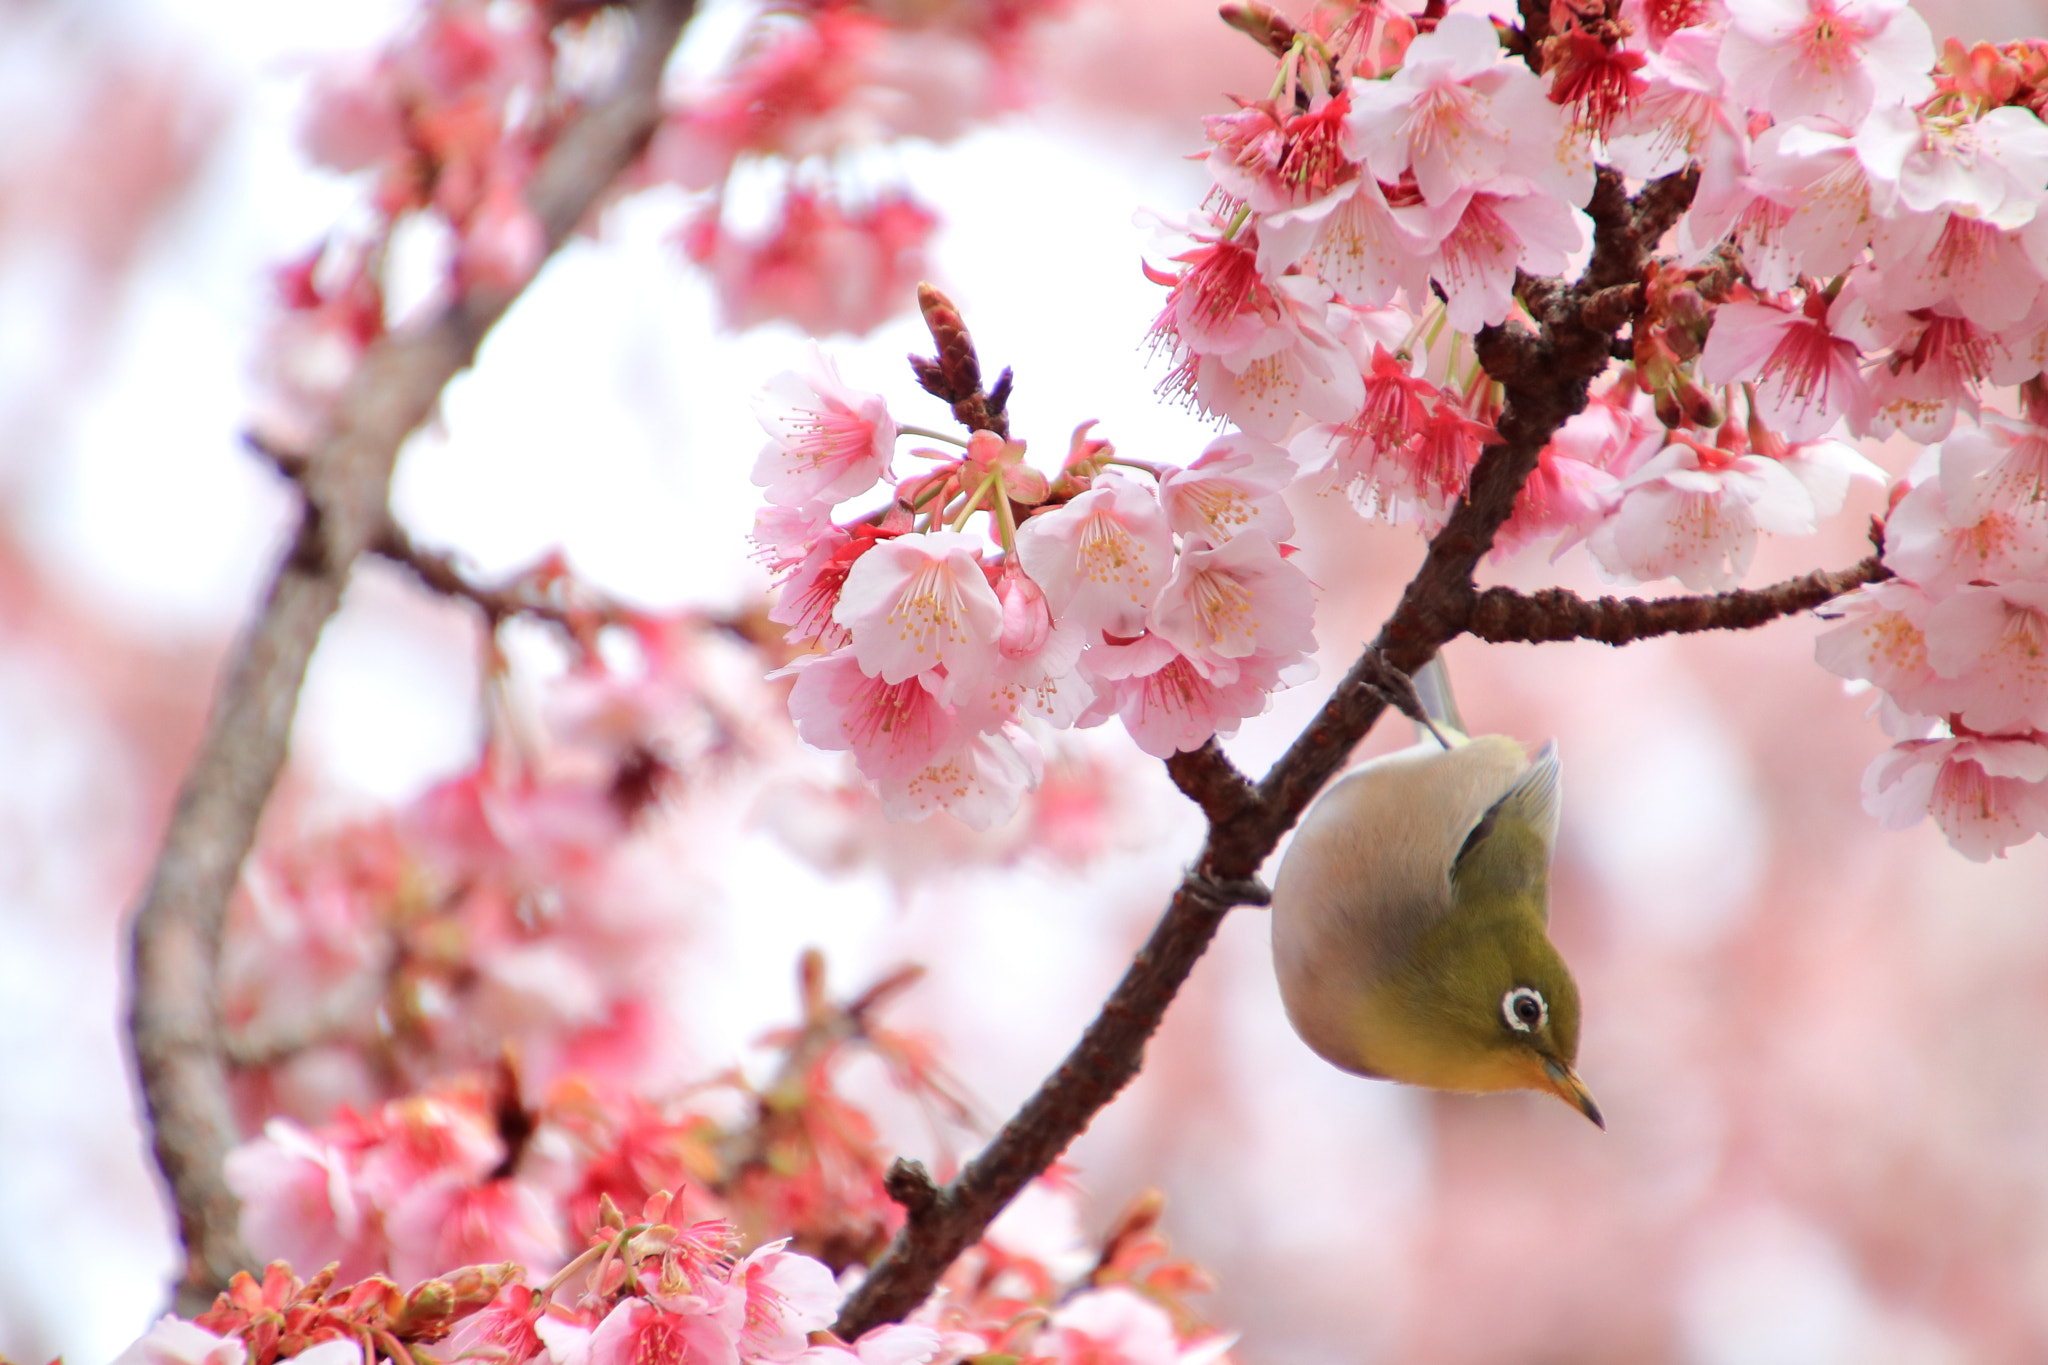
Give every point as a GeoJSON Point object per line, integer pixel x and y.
{"type": "Point", "coordinates": [174, 1018]}
{"type": "Point", "coordinates": [1503, 615]}
{"type": "Point", "coordinates": [1546, 376]}
{"type": "Point", "coordinates": [439, 573]}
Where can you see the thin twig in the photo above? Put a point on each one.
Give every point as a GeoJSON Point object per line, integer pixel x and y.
{"type": "Point", "coordinates": [440, 573]}
{"type": "Point", "coordinates": [1502, 614]}
{"type": "Point", "coordinates": [174, 1019]}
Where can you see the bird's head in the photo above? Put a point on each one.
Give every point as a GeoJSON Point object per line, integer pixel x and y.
{"type": "Point", "coordinates": [1490, 1005]}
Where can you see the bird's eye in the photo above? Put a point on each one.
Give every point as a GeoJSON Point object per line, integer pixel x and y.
{"type": "Point", "coordinates": [1524, 1009]}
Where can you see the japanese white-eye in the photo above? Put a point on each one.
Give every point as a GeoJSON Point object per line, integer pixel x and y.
{"type": "Point", "coordinates": [1410, 916]}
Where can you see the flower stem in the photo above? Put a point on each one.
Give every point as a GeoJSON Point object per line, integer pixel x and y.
{"type": "Point", "coordinates": [930, 435]}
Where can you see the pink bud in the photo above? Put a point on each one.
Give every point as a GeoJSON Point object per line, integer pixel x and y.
{"type": "Point", "coordinates": [1026, 618]}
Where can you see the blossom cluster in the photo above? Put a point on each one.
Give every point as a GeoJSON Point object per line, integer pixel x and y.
{"type": "Point", "coordinates": [672, 1287]}
{"type": "Point", "coordinates": [1158, 594]}
{"type": "Point", "coordinates": [1865, 255]}
{"type": "Point", "coordinates": [528, 901]}
{"type": "Point", "coordinates": [449, 121]}
{"type": "Point", "coordinates": [1957, 640]}
{"type": "Point", "coordinates": [814, 90]}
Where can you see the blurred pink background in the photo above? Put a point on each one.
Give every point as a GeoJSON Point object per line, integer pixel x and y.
{"type": "Point", "coordinates": [1820, 1048]}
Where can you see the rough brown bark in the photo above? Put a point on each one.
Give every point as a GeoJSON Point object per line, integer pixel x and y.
{"type": "Point", "coordinates": [174, 1021]}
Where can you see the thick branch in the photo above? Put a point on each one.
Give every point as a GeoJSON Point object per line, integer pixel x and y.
{"type": "Point", "coordinates": [1546, 376]}
{"type": "Point", "coordinates": [1502, 614]}
{"type": "Point", "coordinates": [174, 1019]}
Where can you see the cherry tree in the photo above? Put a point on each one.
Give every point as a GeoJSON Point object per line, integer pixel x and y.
{"type": "Point", "coordinates": [1632, 286]}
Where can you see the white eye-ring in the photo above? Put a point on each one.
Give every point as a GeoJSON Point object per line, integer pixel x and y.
{"type": "Point", "coordinates": [1524, 1009]}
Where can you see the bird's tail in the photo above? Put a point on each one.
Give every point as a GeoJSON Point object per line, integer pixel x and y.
{"type": "Point", "coordinates": [1433, 690]}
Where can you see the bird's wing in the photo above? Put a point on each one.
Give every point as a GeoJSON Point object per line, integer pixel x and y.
{"type": "Point", "coordinates": [1509, 849]}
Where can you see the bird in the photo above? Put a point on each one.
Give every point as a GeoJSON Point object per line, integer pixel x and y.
{"type": "Point", "coordinates": [1411, 915]}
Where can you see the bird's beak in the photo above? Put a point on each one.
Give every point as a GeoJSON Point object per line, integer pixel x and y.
{"type": "Point", "coordinates": [1566, 1085]}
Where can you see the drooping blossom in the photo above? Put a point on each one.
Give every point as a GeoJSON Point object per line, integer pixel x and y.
{"type": "Point", "coordinates": [1427, 474]}
{"type": "Point", "coordinates": [1987, 792]}
{"type": "Point", "coordinates": [1693, 511]}
{"type": "Point", "coordinates": [894, 730]}
{"type": "Point", "coordinates": [1882, 639]}
{"type": "Point", "coordinates": [1807, 378]}
{"type": "Point", "coordinates": [1956, 264]}
{"type": "Point", "coordinates": [1274, 163]}
{"type": "Point", "coordinates": [1934, 371]}
{"type": "Point", "coordinates": [1578, 474]}
{"type": "Point", "coordinates": [1165, 701]}
{"type": "Point", "coordinates": [1992, 640]}
{"type": "Point", "coordinates": [1296, 365]}
{"type": "Point", "coordinates": [1681, 116]}
{"type": "Point", "coordinates": [923, 754]}
{"type": "Point", "coordinates": [1810, 171]}
{"type": "Point", "coordinates": [809, 593]}
{"type": "Point", "coordinates": [1354, 241]}
{"type": "Point", "coordinates": [826, 442]}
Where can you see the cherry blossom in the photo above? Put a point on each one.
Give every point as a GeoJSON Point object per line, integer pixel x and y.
{"type": "Point", "coordinates": [1494, 231]}
{"type": "Point", "coordinates": [1985, 791]}
{"type": "Point", "coordinates": [1275, 163]}
{"type": "Point", "coordinates": [1807, 377]}
{"type": "Point", "coordinates": [894, 730]}
{"type": "Point", "coordinates": [1809, 168]}
{"type": "Point", "coordinates": [1165, 700]}
{"type": "Point", "coordinates": [826, 266]}
{"type": "Point", "coordinates": [1990, 169]}
{"type": "Point", "coordinates": [1937, 364]}
{"type": "Point", "coordinates": [1234, 485]}
{"type": "Point", "coordinates": [1951, 530]}
{"type": "Point", "coordinates": [174, 1341]}
{"type": "Point", "coordinates": [1994, 641]}
{"type": "Point", "coordinates": [1296, 364]}
{"type": "Point", "coordinates": [1354, 241]}
{"type": "Point", "coordinates": [895, 1343]}
{"type": "Point", "coordinates": [826, 442]}
{"type": "Point", "coordinates": [1577, 480]}
{"type": "Point", "coordinates": [1682, 115]}
{"type": "Point", "coordinates": [1113, 1325]}
{"type": "Point", "coordinates": [1882, 639]}
{"type": "Point", "coordinates": [1832, 58]}
{"type": "Point", "coordinates": [1234, 602]}
{"type": "Point", "coordinates": [923, 754]}
{"type": "Point", "coordinates": [1692, 512]}
{"type": "Point", "coordinates": [1458, 116]}
{"type": "Point", "coordinates": [1101, 558]}
{"type": "Point", "coordinates": [919, 602]}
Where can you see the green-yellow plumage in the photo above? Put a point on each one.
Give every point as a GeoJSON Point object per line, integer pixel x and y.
{"type": "Point", "coordinates": [1410, 916]}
